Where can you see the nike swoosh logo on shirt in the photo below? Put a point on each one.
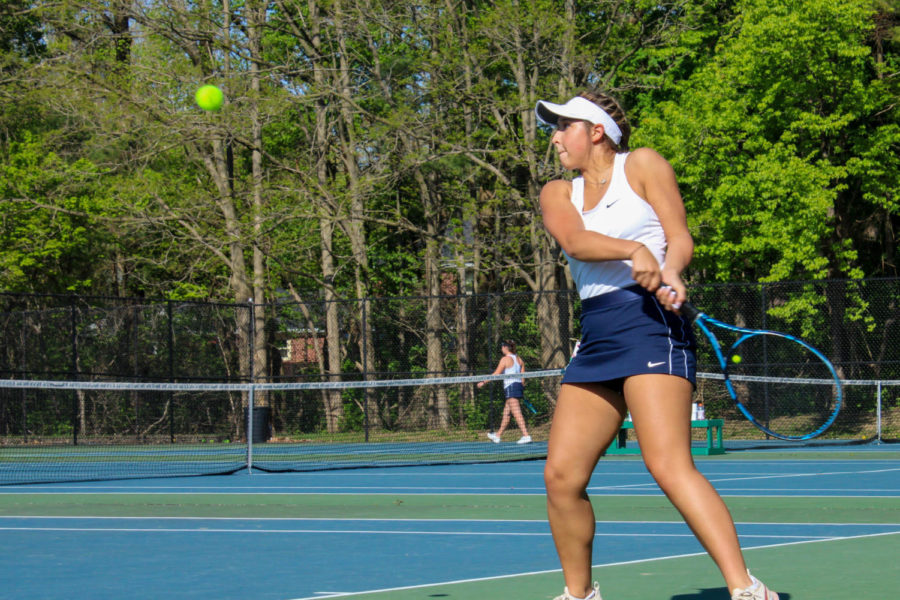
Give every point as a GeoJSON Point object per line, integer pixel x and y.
{"type": "Point", "coordinates": [613, 202]}
{"type": "Point", "coordinates": [653, 364]}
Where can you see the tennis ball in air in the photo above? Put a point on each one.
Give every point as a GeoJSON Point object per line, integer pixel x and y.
{"type": "Point", "coordinates": [209, 97]}
{"type": "Point", "coordinates": [736, 358]}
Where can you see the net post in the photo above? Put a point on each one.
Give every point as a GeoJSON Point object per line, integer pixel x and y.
{"type": "Point", "coordinates": [250, 411]}
{"type": "Point", "coordinates": [878, 415]}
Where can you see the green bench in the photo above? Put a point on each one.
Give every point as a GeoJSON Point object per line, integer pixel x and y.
{"type": "Point", "coordinates": [713, 438]}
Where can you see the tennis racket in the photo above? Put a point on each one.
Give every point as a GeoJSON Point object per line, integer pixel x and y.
{"type": "Point", "coordinates": [783, 385]}
{"type": "Point", "coordinates": [530, 406]}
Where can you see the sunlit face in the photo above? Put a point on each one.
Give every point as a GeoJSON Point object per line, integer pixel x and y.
{"type": "Point", "coordinates": [572, 140]}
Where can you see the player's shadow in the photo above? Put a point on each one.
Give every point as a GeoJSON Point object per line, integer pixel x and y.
{"type": "Point", "coordinates": [716, 594]}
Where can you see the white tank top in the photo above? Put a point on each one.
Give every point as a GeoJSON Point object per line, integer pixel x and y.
{"type": "Point", "coordinates": [515, 368]}
{"type": "Point", "coordinates": [622, 214]}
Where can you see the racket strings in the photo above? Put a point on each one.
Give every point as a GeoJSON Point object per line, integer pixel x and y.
{"type": "Point", "coordinates": [782, 383]}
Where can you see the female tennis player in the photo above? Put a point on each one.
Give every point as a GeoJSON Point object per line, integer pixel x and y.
{"type": "Point", "coordinates": [513, 390]}
{"type": "Point", "coordinates": [621, 223]}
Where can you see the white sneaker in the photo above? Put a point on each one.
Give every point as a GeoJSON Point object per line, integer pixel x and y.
{"type": "Point", "coordinates": [595, 589]}
{"type": "Point", "coordinates": [494, 437]}
{"type": "Point", "coordinates": [525, 439]}
{"type": "Point", "coordinates": [756, 591]}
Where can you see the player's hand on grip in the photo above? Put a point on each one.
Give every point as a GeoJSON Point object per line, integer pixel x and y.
{"type": "Point", "coordinates": [672, 293]}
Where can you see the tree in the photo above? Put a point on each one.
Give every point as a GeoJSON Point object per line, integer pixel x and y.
{"type": "Point", "coordinates": [786, 146]}
{"type": "Point", "coordinates": [52, 225]}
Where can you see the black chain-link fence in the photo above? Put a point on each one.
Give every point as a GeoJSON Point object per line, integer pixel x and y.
{"type": "Point", "coordinates": [855, 323]}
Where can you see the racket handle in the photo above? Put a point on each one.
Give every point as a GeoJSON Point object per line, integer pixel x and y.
{"type": "Point", "coordinates": [689, 311]}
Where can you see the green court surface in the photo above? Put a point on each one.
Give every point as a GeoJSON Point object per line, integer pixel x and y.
{"type": "Point", "coordinates": [857, 569]}
{"type": "Point", "coordinates": [419, 506]}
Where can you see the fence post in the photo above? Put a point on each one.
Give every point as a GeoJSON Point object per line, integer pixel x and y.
{"type": "Point", "coordinates": [171, 343]}
{"type": "Point", "coordinates": [74, 336]}
{"type": "Point", "coordinates": [365, 366]}
{"type": "Point", "coordinates": [493, 319]}
{"type": "Point", "coordinates": [250, 395]}
{"type": "Point", "coordinates": [23, 361]}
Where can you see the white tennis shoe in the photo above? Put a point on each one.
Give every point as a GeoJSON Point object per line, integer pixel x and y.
{"type": "Point", "coordinates": [595, 590]}
{"type": "Point", "coordinates": [756, 591]}
{"type": "Point", "coordinates": [525, 439]}
{"type": "Point", "coordinates": [494, 437]}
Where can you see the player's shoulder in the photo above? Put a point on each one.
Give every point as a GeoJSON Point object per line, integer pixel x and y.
{"type": "Point", "coordinates": [646, 157]}
{"type": "Point", "coordinates": [556, 190]}
{"type": "Point", "coordinates": [647, 160]}
{"type": "Point", "coordinates": [556, 186]}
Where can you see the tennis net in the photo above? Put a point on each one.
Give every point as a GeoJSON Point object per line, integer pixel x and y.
{"type": "Point", "coordinates": [62, 431]}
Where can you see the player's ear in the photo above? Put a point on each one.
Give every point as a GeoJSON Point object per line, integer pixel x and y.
{"type": "Point", "coordinates": [597, 132]}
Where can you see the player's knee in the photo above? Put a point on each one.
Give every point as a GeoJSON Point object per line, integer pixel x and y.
{"type": "Point", "coordinates": [668, 471]}
{"type": "Point", "coordinates": [561, 481]}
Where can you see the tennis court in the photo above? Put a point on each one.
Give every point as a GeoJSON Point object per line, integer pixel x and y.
{"type": "Point", "coordinates": [468, 531]}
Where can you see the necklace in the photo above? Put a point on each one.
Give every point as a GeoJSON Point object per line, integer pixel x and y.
{"type": "Point", "coordinates": [606, 177]}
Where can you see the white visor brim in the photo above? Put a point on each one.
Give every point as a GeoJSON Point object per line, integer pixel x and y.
{"type": "Point", "coordinates": [580, 109]}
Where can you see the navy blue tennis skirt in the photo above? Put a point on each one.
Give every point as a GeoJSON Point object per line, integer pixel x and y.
{"type": "Point", "coordinates": [628, 332]}
{"type": "Point", "coordinates": [514, 390]}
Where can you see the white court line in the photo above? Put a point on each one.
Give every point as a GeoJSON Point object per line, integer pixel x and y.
{"type": "Point", "coordinates": [320, 595]}
{"type": "Point", "coordinates": [144, 530]}
{"type": "Point", "coordinates": [650, 493]}
{"type": "Point", "coordinates": [719, 479]}
{"type": "Point", "coordinates": [300, 531]}
{"type": "Point", "coordinates": [798, 475]}
{"type": "Point", "coordinates": [434, 520]}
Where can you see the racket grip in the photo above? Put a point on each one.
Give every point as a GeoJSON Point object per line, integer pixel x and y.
{"type": "Point", "coordinates": [690, 311]}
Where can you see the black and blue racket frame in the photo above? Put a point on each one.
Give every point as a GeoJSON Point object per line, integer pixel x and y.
{"type": "Point", "coordinates": [701, 319]}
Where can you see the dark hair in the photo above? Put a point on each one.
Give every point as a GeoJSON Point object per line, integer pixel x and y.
{"type": "Point", "coordinates": [509, 344]}
{"type": "Point", "coordinates": [615, 110]}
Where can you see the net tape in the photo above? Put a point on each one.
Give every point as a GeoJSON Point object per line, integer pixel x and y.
{"type": "Point", "coordinates": [374, 383]}
{"type": "Point", "coordinates": [246, 387]}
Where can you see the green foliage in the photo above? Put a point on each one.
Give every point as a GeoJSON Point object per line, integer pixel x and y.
{"type": "Point", "coordinates": [775, 142]}
{"type": "Point", "coordinates": [20, 30]}
{"type": "Point", "coordinates": [50, 228]}
{"type": "Point", "coordinates": [779, 118]}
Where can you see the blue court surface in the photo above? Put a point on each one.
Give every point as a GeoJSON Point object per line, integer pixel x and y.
{"type": "Point", "coordinates": [80, 540]}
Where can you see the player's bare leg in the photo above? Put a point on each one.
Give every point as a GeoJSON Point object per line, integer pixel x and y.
{"type": "Point", "coordinates": [660, 408]}
{"type": "Point", "coordinates": [516, 410]}
{"type": "Point", "coordinates": [504, 420]}
{"type": "Point", "coordinates": [586, 420]}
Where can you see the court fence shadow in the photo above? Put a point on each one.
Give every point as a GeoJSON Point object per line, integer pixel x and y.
{"type": "Point", "coordinates": [717, 594]}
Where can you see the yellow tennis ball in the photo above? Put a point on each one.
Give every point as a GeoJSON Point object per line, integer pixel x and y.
{"type": "Point", "coordinates": [736, 358]}
{"type": "Point", "coordinates": [209, 97]}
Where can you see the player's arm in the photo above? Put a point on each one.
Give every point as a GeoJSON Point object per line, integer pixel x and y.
{"type": "Point", "coordinates": [501, 366]}
{"type": "Point", "coordinates": [562, 220]}
{"type": "Point", "coordinates": [654, 180]}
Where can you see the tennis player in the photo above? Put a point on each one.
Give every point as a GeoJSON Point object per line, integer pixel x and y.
{"type": "Point", "coordinates": [621, 223]}
{"type": "Point", "coordinates": [513, 389]}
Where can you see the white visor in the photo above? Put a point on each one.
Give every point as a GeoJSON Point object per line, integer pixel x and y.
{"type": "Point", "coordinates": [580, 109]}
